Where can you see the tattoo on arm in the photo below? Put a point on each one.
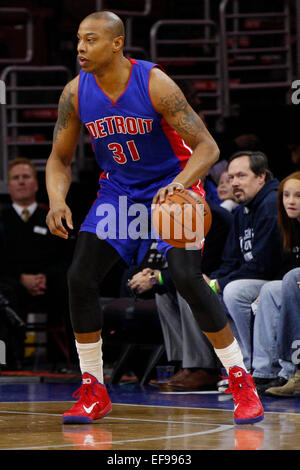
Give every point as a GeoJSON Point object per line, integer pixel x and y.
{"type": "Point", "coordinates": [186, 120]}
{"type": "Point", "coordinates": [65, 110]}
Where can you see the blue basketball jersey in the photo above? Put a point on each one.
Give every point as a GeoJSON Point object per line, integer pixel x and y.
{"type": "Point", "coordinates": [133, 144]}
{"type": "Point", "coordinates": [138, 153]}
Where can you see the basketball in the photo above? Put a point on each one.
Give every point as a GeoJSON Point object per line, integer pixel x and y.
{"type": "Point", "coordinates": [182, 219]}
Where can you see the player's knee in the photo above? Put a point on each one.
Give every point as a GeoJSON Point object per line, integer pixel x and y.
{"type": "Point", "coordinates": [78, 280]}
{"type": "Point", "coordinates": [191, 287]}
{"type": "Point", "coordinates": [183, 282]}
{"type": "Point", "coordinates": [73, 277]}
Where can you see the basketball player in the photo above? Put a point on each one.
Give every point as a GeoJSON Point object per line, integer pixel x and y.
{"type": "Point", "coordinates": [149, 142]}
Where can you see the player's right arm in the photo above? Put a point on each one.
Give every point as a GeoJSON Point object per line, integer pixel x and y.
{"type": "Point", "coordinates": [58, 168]}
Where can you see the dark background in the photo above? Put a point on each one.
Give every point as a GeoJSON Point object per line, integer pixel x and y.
{"type": "Point", "coordinates": [264, 113]}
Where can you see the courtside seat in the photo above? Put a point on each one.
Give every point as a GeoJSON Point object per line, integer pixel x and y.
{"type": "Point", "coordinates": [38, 335]}
{"type": "Point", "coordinates": [132, 331]}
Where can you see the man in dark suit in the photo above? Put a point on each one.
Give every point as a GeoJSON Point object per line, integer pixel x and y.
{"type": "Point", "coordinates": [33, 262]}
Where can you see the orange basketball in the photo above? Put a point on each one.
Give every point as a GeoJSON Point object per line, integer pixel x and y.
{"type": "Point", "coordinates": [183, 219]}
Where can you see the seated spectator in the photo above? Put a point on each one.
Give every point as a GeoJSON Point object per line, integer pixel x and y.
{"type": "Point", "coordinates": [277, 320]}
{"type": "Point", "coordinates": [12, 328]}
{"type": "Point", "coordinates": [183, 339]}
{"type": "Point", "coordinates": [251, 255]}
{"type": "Point", "coordinates": [211, 189]}
{"type": "Point", "coordinates": [33, 262]}
{"type": "Point", "coordinates": [225, 193]}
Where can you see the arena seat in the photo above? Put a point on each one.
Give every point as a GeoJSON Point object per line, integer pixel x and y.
{"type": "Point", "coordinates": [132, 333]}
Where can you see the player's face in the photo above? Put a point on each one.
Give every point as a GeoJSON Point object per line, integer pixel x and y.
{"type": "Point", "coordinates": [22, 184]}
{"type": "Point", "coordinates": [291, 198]}
{"type": "Point", "coordinates": [95, 46]}
{"type": "Point", "coordinates": [245, 184]}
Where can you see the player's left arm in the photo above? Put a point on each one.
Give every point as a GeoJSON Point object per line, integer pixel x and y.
{"type": "Point", "coordinates": [170, 102]}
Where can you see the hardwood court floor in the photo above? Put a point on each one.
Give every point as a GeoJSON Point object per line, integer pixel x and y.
{"type": "Point", "coordinates": [154, 422]}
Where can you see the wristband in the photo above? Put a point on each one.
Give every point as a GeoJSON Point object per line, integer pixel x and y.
{"type": "Point", "coordinates": [160, 279]}
{"type": "Point", "coordinates": [213, 286]}
{"type": "Point", "coordinates": [152, 278]}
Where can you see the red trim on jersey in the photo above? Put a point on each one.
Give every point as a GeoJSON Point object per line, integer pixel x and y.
{"type": "Point", "coordinates": [198, 188]}
{"type": "Point", "coordinates": [133, 61]}
{"type": "Point", "coordinates": [103, 176]}
{"type": "Point", "coordinates": [181, 150]}
{"type": "Point", "coordinates": [114, 102]}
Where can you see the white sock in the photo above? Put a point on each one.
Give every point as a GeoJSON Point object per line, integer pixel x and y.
{"type": "Point", "coordinates": [90, 359]}
{"type": "Point", "coordinates": [231, 356]}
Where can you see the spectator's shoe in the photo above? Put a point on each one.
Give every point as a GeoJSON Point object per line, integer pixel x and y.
{"type": "Point", "coordinates": [263, 384]}
{"type": "Point", "coordinates": [94, 402]}
{"type": "Point", "coordinates": [247, 406]}
{"type": "Point", "coordinates": [289, 389]}
{"type": "Point", "coordinates": [198, 380]}
{"type": "Point", "coordinates": [222, 385]}
{"type": "Point", "coordinates": [182, 373]}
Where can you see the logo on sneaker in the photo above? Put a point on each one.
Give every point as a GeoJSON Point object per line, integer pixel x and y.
{"type": "Point", "coordinates": [236, 407]}
{"type": "Point", "coordinates": [87, 381]}
{"type": "Point", "coordinates": [89, 409]}
{"type": "Point", "coordinates": [238, 374]}
{"type": "Point", "coordinates": [255, 391]}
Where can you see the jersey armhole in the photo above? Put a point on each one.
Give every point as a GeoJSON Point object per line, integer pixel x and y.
{"type": "Point", "coordinates": [154, 67]}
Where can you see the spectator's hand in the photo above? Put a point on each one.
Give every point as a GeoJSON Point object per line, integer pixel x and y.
{"type": "Point", "coordinates": [141, 282]}
{"type": "Point", "coordinates": [216, 284]}
{"type": "Point", "coordinates": [55, 218]}
{"type": "Point", "coordinates": [35, 284]}
{"type": "Point", "coordinates": [41, 281]}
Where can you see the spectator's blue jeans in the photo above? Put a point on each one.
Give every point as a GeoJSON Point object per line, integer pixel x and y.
{"type": "Point", "coordinates": [238, 297]}
{"type": "Point", "coordinates": [288, 338]}
{"type": "Point", "coordinates": [277, 328]}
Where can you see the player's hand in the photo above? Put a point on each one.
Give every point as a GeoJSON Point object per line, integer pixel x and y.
{"type": "Point", "coordinates": [161, 194]}
{"type": "Point", "coordinates": [55, 217]}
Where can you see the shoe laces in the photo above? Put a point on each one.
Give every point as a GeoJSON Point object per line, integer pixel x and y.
{"type": "Point", "coordinates": [85, 391]}
{"type": "Point", "coordinates": [237, 387]}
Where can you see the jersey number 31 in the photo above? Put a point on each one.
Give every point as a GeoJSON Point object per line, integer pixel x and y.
{"type": "Point", "coordinates": [118, 152]}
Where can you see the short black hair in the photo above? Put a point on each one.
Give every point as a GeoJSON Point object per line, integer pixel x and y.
{"type": "Point", "coordinates": [258, 162]}
{"type": "Point", "coordinates": [113, 22]}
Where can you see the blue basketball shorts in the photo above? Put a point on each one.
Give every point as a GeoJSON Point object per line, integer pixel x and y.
{"type": "Point", "coordinates": [122, 216]}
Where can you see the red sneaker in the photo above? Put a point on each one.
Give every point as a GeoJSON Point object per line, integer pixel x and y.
{"type": "Point", "coordinates": [94, 402]}
{"type": "Point", "coordinates": [247, 405]}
